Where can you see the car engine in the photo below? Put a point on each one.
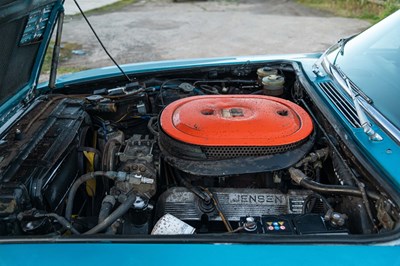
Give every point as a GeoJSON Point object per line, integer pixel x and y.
{"type": "Point", "coordinates": [222, 150]}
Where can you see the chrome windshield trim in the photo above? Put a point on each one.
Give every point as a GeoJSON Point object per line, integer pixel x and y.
{"type": "Point", "coordinates": [321, 59]}
{"type": "Point", "coordinates": [372, 112]}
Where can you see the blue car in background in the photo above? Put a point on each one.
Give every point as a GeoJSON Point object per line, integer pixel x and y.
{"type": "Point", "coordinates": [290, 159]}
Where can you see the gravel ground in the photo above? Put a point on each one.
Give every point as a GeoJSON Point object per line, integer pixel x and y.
{"type": "Point", "coordinates": [157, 30]}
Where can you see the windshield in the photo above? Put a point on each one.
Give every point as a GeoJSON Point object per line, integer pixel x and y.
{"type": "Point", "coordinates": [372, 61]}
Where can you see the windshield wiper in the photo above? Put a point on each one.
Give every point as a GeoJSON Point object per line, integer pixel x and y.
{"type": "Point", "coordinates": [357, 90]}
{"type": "Point", "coordinates": [341, 43]}
{"type": "Point", "coordinates": [365, 124]}
{"type": "Point", "coordinates": [354, 92]}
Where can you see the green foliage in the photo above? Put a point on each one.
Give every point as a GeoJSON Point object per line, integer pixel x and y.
{"type": "Point", "coordinates": [371, 10]}
{"type": "Point", "coordinates": [119, 5]}
{"type": "Point", "coordinates": [65, 55]}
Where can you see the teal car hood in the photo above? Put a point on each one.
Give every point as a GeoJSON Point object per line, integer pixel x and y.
{"type": "Point", "coordinates": [28, 26]}
{"type": "Point", "coordinates": [196, 254]}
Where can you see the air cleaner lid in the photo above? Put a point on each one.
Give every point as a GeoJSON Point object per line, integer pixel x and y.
{"type": "Point", "coordinates": [236, 120]}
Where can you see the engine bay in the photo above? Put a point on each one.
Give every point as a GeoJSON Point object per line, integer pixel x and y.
{"type": "Point", "coordinates": [222, 150]}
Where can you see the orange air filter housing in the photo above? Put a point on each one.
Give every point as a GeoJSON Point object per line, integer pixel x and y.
{"type": "Point", "coordinates": [223, 127]}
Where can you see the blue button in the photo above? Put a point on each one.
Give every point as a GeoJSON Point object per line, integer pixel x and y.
{"type": "Point", "coordinates": [276, 228]}
{"type": "Point", "coordinates": [275, 224]}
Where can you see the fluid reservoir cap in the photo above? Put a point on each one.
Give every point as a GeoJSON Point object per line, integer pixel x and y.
{"type": "Point", "coordinates": [186, 87]}
{"type": "Point", "coordinates": [236, 120]}
{"type": "Point", "coordinates": [266, 71]}
{"type": "Point", "coordinates": [273, 80]}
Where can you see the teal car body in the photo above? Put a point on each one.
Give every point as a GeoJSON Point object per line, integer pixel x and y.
{"type": "Point", "coordinates": [380, 158]}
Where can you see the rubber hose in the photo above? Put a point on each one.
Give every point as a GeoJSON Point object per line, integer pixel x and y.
{"type": "Point", "coordinates": [61, 220]}
{"type": "Point", "coordinates": [121, 210]}
{"type": "Point", "coordinates": [106, 207]}
{"type": "Point", "coordinates": [300, 178]}
{"type": "Point", "coordinates": [150, 126]}
{"type": "Point", "coordinates": [344, 190]}
{"type": "Point", "coordinates": [341, 171]}
{"type": "Point", "coordinates": [74, 188]}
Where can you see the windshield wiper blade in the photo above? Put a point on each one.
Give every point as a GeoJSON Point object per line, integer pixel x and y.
{"type": "Point", "coordinates": [357, 90]}
{"type": "Point", "coordinates": [365, 123]}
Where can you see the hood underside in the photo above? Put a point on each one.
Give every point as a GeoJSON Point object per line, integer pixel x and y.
{"type": "Point", "coordinates": [26, 28]}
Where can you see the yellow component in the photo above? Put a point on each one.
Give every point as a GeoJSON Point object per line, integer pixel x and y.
{"type": "Point", "coordinates": [281, 223]}
{"type": "Point", "coordinates": [91, 184]}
